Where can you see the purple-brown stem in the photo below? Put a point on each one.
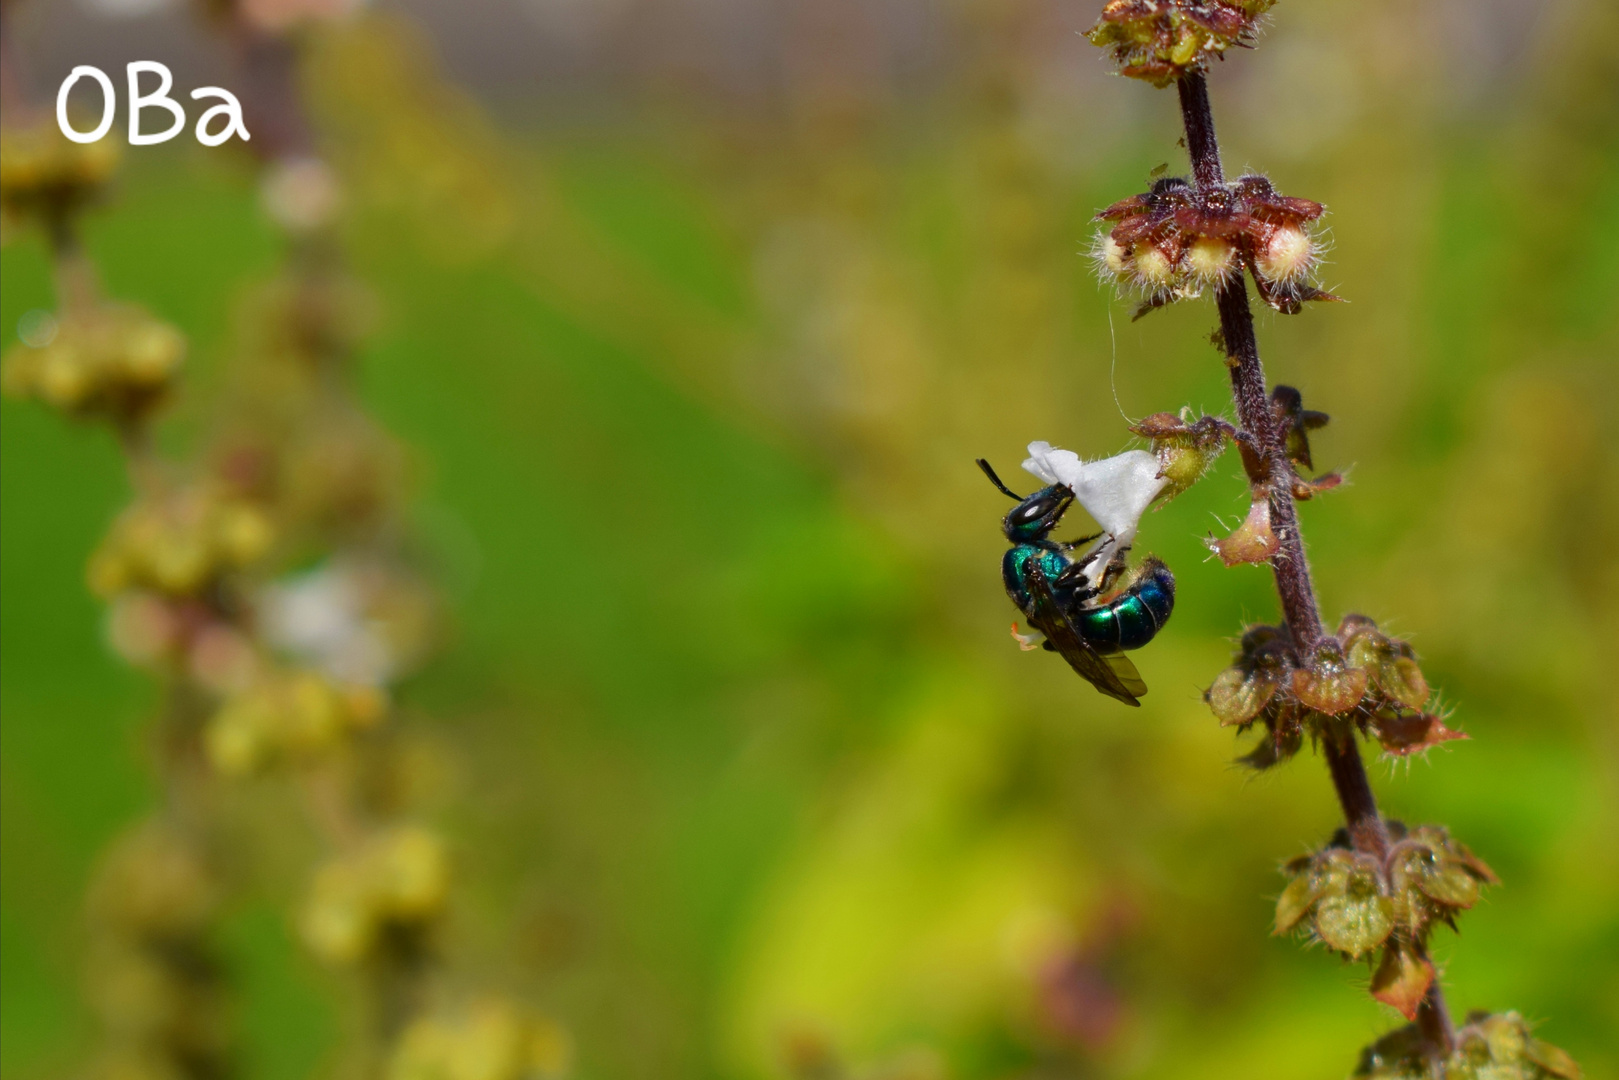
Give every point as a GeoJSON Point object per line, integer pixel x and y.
{"type": "Point", "coordinates": [1291, 568]}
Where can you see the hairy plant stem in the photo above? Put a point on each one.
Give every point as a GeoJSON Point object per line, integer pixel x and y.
{"type": "Point", "coordinates": [1294, 587]}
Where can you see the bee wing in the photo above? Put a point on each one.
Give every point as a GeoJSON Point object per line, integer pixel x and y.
{"type": "Point", "coordinates": [1112, 674]}
{"type": "Point", "coordinates": [1125, 671]}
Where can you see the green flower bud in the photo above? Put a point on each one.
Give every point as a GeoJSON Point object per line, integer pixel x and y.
{"type": "Point", "coordinates": [1185, 450]}
{"type": "Point", "coordinates": [1343, 894]}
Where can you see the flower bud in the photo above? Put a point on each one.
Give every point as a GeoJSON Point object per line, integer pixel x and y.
{"type": "Point", "coordinates": [1329, 685]}
{"type": "Point", "coordinates": [1179, 238]}
{"type": "Point", "coordinates": [1341, 893]}
{"type": "Point", "coordinates": [1352, 915]}
{"type": "Point", "coordinates": [490, 1040]}
{"type": "Point", "coordinates": [1152, 266]}
{"type": "Point", "coordinates": [1253, 541]}
{"type": "Point", "coordinates": [1403, 732]}
{"type": "Point", "coordinates": [152, 885]}
{"type": "Point", "coordinates": [1287, 255]}
{"type": "Point", "coordinates": [1237, 696]}
{"type": "Point", "coordinates": [287, 717]}
{"type": "Point", "coordinates": [1402, 979]}
{"type": "Point", "coordinates": [144, 629]}
{"type": "Point", "coordinates": [1112, 258]}
{"type": "Point", "coordinates": [1210, 259]}
{"type": "Point", "coordinates": [1186, 451]}
{"type": "Point", "coordinates": [1391, 664]}
{"type": "Point", "coordinates": [1305, 490]}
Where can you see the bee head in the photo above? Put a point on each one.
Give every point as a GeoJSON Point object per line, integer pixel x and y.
{"type": "Point", "coordinates": [1037, 515]}
{"type": "Point", "coordinates": [1034, 515]}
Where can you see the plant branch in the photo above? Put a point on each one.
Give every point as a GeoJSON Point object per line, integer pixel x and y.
{"type": "Point", "coordinates": [1291, 567]}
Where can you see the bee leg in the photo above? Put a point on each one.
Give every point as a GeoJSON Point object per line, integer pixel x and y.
{"type": "Point", "coordinates": [1116, 565]}
{"type": "Point", "coordinates": [1074, 581]}
{"type": "Point", "coordinates": [1072, 584]}
{"type": "Point", "coordinates": [1074, 545]}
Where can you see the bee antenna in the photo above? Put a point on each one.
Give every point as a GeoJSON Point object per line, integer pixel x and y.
{"type": "Point", "coordinates": [989, 472]}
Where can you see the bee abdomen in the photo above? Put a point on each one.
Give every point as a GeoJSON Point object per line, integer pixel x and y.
{"type": "Point", "coordinates": [1135, 616]}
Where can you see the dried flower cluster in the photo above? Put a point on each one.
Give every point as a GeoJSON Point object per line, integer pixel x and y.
{"type": "Point", "coordinates": [1176, 240]}
{"type": "Point", "coordinates": [1161, 40]}
{"type": "Point", "coordinates": [1491, 1046]}
{"type": "Point", "coordinates": [1358, 680]}
{"type": "Point", "coordinates": [1355, 903]}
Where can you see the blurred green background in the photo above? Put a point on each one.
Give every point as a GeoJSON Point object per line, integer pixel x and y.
{"type": "Point", "coordinates": [736, 755]}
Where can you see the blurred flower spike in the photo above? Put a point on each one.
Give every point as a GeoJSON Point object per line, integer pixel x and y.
{"type": "Point", "coordinates": [1355, 903]}
{"type": "Point", "coordinates": [1161, 40]}
{"type": "Point", "coordinates": [1360, 680]}
{"type": "Point", "coordinates": [1173, 241]}
{"type": "Point", "coordinates": [493, 1039]}
{"type": "Point", "coordinates": [386, 894]}
{"type": "Point", "coordinates": [1488, 1046]}
{"type": "Point", "coordinates": [112, 361]}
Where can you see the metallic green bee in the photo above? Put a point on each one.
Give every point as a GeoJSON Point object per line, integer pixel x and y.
{"type": "Point", "coordinates": [1057, 595]}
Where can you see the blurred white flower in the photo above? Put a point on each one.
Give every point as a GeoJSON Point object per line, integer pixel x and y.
{"type": "Point", "coordinates": [1115, 491]}
{"type": "Point", "coordinates": [325, 619]}
{"type": "Point", "coordinates": [301, 194]}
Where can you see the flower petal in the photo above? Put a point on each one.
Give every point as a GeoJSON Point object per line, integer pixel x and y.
{"type": "Point", "coordinates": [1115, 491]}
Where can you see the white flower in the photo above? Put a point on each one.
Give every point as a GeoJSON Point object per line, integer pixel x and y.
{"type": "Point", "coordinates": [1115, 491]}
{"type": "Point", "coordinates": [321, 618]}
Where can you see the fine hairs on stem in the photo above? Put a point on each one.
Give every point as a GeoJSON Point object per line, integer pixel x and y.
{"type": "Point", "coordinates": [1378, 888]}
